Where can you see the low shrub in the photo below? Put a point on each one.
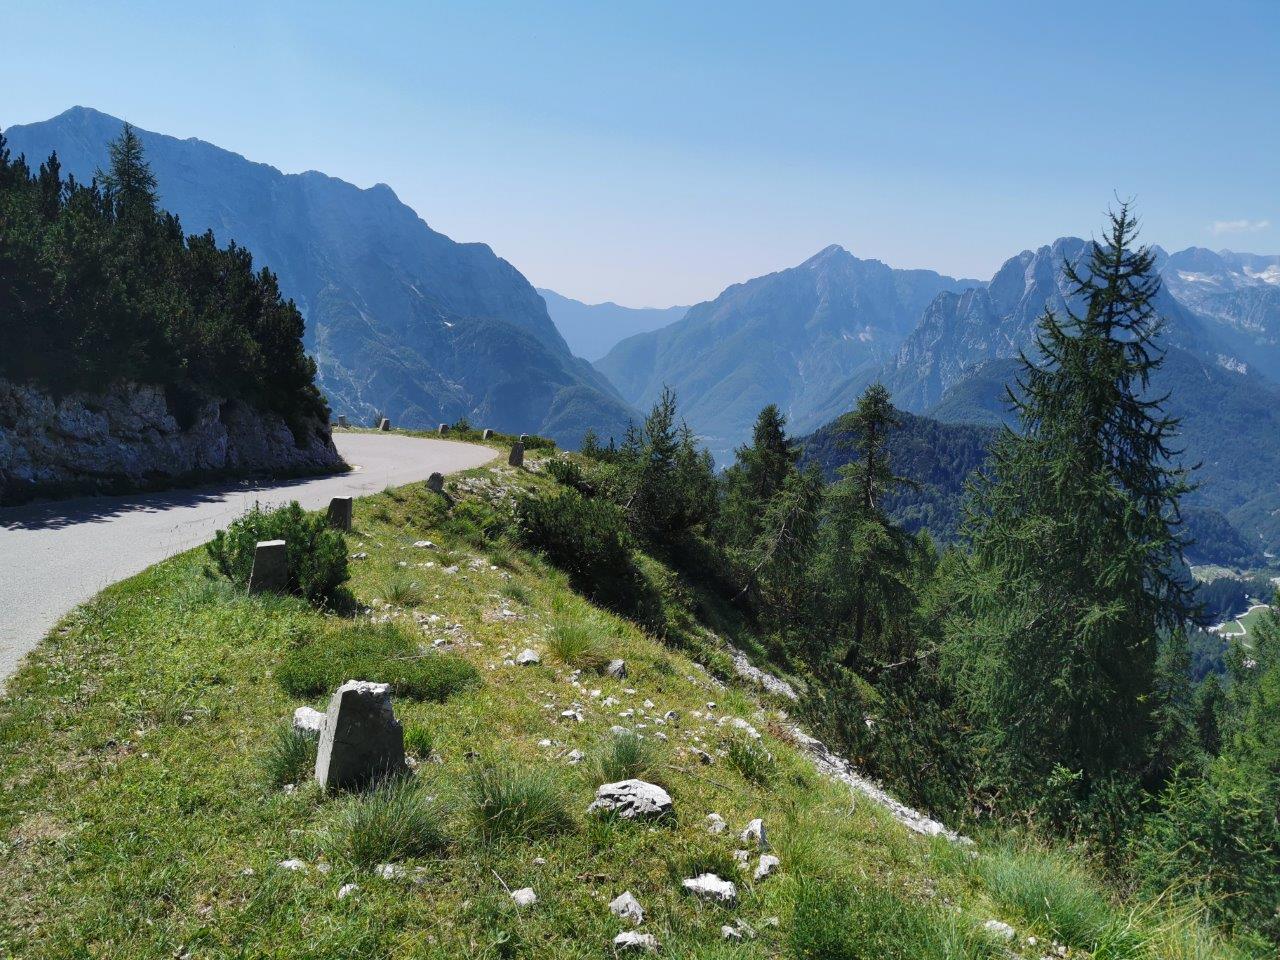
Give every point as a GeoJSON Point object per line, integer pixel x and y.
{"type": "Point", "coordinates": [382, 653]}
{"type": "Point", "coordinates": [512, 803]}
{"type": "Point", "coordinates": [567, 473]}
{"type": "Point", "coordinates": [587, 539]}
{"type": "Point", "coordinates": [394, 820]}
{"type": "Point", "coordinates": [290, 757]}
{"type": "Point", "coordinates": [317, 553]}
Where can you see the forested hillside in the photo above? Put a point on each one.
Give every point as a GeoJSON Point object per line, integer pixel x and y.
{"type": "Point", "coordinates": [401, 320]}
{"type": "Point", "coordinates": [1040, 673]}
{"type": "Point", "coordinates": [134, 353]}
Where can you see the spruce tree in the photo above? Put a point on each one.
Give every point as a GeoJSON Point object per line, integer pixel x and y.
{"type": "Point", "coordinates": [865, 560]}
{"type": "Point", "coordinates": [759, 473]}
{"type": "Point", "coordinates": [1075, 530]}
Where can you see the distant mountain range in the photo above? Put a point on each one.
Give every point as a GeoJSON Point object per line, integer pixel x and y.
{"type": "Point", "coordinates": [812, 337]}
{"type": "Point", "coordinates": [794, 338]}
{"type": "Point", "coordinates": [402, 321]}
{"type": "Point", "coordinates": [592, 329]}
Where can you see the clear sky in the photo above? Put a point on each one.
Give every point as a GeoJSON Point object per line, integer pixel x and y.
{"type": "Point", "coordinates": [653, 153]}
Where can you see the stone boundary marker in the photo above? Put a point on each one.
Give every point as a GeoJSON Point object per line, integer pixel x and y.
{"type": "Point", "coordinates": [384, 424]}
{"type": "Point", "coordinates": [340, 513]}
{"type": "Point", "coordinates": [435, 483]}
{"type": "Point", "coordinates": [270, 567]}
{"type": "Point", "coordinates": [516, 459]}
{"type": "Point", "coordinates": [487, 435]}
{"type": "Point", "coordinates": [362, 741]}
{"type": "Point", "coordinates": [342, 421]}
{"type": "Point", "coordinates": [442, 429]}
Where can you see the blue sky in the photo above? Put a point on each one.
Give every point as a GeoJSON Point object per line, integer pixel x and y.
{"type": "Point", "coordinates": [655, 153]}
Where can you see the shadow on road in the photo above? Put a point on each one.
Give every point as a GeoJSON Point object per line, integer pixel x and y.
{"type": "Point", "coordinates": [56, 514]}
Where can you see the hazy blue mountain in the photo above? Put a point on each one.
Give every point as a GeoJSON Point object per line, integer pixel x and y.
{"type": "Point", "coordinates": [592, 329]}
{"type": "Point", "coordinates": [402, 321]}
{"type": "Point", "coordinates": [1230, 428]}
{"type": "Point", "coordinates": [1239, 294]}
{"type": "Point", "coordinates": [958, 332]}
{"type": "Point", "coordinates": [787, 338]}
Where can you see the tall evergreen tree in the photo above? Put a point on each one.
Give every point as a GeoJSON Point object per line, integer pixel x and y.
{"type": "Point", "coordinates": [865, 559]}
{"type": "Point", "coordinates": [128, 180]}
{"type": "Point", "coordinates": [1075, 530]}
{"type": "Point", "coordinates": [759, 473]}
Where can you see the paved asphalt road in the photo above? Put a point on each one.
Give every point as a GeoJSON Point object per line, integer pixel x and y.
{"type": "Point", "coordinates": [56, 555]}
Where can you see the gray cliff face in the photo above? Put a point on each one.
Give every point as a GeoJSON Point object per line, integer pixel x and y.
{"type": "Point", "coordinates": [393, 309]}
{"type": "Point", "coordinates": [959, 334]}
{"type": "Point", "coordinates": [127, 437]}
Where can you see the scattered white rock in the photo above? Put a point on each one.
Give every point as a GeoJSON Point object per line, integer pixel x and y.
{"type": "Point", "coordinates": [628, 908]}
{"type": "Point", "coordinates": [423, 544]}
{"type": "Point", "coordinates": [616, 669]}
{"type": "Point", "coordinates": [544, 742]}
{"type": "Point", "coordinates": [389, 871]}
{"type": "Point", "coordinates": [730, 933]}
{"type": "Point", "coordinates": [539, 861]}
{"type": "Point", "coordinates": [574, 715]}
{"type": "Point", "coordinates": [715, 823]}
{"type": "Point", "coordinates": [710, 887]}
{"type": "Point", "coordinates": [768, 863]}
{"type": "Point", "coordinates": [308, 722]}
{"type": "Point", "coordinates": [629, 941]}
{"type": "Point", "coordinates": [528, 657]}
{"type": "Point", "coordinates": [999, 930]}
{"type": "Point", "coordinates": [671, 716]}
{"type": "Point", "coordinates": [743, 857]}
{"type": "Point", "coordinates": [755, 834]}
{"type": "Point", "coordinates": [347, 889]}
{"type": "Point", "coordinates": [702, 755]}
{"type": "Point", "coordinates": [632, 799]}
{"type": "Point", "coordinates": [739, 724]}
{"type": "Point", "coordinates": [293, 865]}
{"type": "Point", "coordinates": [575, 757]}
{"type": "Point", "coordinates": [524, 897]}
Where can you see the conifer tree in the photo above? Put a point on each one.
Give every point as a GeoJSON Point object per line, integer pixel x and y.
{"type": "Point", "coordinates": [865, 560]}
{"type": "Point", "coordinates": [760, 472]}
{"type": "Point", "coordinates": [1075, 530]}
{"type": "Point", "coordinates": [128, 181]}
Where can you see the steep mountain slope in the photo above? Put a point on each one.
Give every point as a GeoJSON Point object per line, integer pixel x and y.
{"type": "Point", "coordinates": [937, 457]}
{"type": "Point", "coordinates": [1229, 430]}
{"type": "Point", "coordinates": [785, 338]}
{"type": "Point", "coordinates": [593, 329]}
{"type": "Point", "coordinates": [402, 321]}
{"type": "Point", "coordinates": [1239, 293]}
{"type": "Point", "coordinates": [957, 332]}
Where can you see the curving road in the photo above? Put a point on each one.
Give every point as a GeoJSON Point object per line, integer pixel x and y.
{"type": "Point", "coordinates": [56, 555]}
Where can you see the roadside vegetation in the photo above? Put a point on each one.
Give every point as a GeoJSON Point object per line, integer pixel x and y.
{"type": "Point", "coordinates": [1033, 687]}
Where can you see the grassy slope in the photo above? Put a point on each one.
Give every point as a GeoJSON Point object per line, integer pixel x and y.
{"type": "Point", "coordinates": [135, 822]}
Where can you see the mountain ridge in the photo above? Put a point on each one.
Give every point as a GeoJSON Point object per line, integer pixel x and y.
{"type": "Point", "coordinates": [387, 299]}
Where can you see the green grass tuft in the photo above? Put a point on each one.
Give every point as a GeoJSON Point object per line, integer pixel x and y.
{"type": "Point", "coordinates": [752, 760]}
{"type": "Point", "coordinates": [393, 821]}
{"type": "Point", "coordinates": [623, 756]}
{"type": "Point", "coordinates": [513, 803]}
{"type": "Point", "coordinates": [290, 757]}
{"type": "Point", "coordinates": [382, 653]}
{"type": "Point", "coordinates": [583, 644]}
{"type": "Point", "coordinates": [400, 590]}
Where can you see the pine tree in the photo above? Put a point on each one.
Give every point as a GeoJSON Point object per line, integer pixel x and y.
{"type": "Point", "coordinates": [1075, 531]}
{"type": "Point", "coordinates": [865, 561]}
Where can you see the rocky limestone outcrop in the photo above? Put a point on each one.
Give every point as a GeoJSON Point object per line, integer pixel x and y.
{"type": "Point", "coordinates": [128, 437]}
